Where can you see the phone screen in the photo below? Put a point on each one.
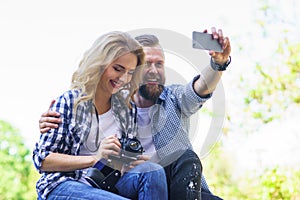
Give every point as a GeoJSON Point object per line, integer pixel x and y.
{"type": "Point", "coordinates": [205, 41]}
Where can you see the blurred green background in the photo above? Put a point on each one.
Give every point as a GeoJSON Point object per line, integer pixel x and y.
{"type": "Point", "coordinates": [258, 154]}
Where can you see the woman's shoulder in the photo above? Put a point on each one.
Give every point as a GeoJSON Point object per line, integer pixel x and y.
{"type": "Point", "coordinates": [66, 99]}
{"type": "Point", "coordinates": [69, 95]}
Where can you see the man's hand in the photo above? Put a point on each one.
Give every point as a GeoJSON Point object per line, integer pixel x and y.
{"type": "Point", "coordinates": [209, 78]}
{"type": "Point", "coordinates": [220, 57]}
{"type": "Point", "coordinates": [141, 159]}
{"type": "Point", "coordinates": [49, 119]}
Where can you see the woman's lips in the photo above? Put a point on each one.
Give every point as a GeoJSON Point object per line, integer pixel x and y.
{"type": "Point", "coordinates": [115, 84]}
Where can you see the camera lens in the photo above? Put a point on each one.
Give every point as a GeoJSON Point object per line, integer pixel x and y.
{"type": "Point", "coordinates": [134, 145]}
{"type": "Point", "coordinates": [131, 145]}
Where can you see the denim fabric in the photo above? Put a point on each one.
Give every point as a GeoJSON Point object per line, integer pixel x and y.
{"type": "Point", "coordinates": [171, 121]}
{"type": "Point", "coordinates": [146, 181]}
{"type": "Point", "coordinates": [75, 190]}
{"type": "Point", "coordinates": [70, 135]}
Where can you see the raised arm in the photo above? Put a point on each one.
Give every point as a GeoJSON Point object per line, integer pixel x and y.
{"type": "Point", "coordinates": [210, 76]}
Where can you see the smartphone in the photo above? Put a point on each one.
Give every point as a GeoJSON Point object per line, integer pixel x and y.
{"type": "Point", "coordinates": [205, 41]}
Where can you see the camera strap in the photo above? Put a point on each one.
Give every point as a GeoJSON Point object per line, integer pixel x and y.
{"type": "Point", "coordinates": [103, 176]}
{"type": "Point", "coordinates": [125, 115]}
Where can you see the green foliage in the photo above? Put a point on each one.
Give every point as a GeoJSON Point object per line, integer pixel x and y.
{"type": "Point", "coordinates": [271, 184]}
{"type": "Point", "coordinates": [18, 175]}
{"type": "Point", "coordinates": [278, 87]}
{"type": "Point", "coordinates": [279, 183]}
{"type": "Point", "coordinates": [278, 79]}
{"type": "Point", "coordinates": [270, 92]}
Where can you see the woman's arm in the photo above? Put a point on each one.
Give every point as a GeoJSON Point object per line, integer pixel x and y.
{"type": "Point", "coordinates": [64, 163]}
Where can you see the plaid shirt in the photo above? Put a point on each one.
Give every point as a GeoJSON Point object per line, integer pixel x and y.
{"type": "Point", "coordinates": [171, 120]}
{"type": "Point", "coordinates": [70, 134]}
{"type": "Point", "coordinates": [170, 128]}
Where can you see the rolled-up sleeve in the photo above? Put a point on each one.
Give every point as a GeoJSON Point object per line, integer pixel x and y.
{"type": "Point", "coordinates": [55, 140]}
{"type": "Point", "coordinates": [191, 93]}
{"type": "Point", "coordinates": [188, 100]}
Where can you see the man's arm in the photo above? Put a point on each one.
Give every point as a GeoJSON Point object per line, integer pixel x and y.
{"type": "Point", "coordinates": [49, 119]}
{"type": "Point", "coordinates": [210, 77]}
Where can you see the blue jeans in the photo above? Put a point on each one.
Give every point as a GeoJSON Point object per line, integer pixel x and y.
{"type": "Point", "coordinates": [75, 190]}
{"type": "Point", "coordinates": [146, 181]}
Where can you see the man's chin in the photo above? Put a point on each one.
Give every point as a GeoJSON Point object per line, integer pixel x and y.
{"type": "Point", "coordinates": [151, 92]}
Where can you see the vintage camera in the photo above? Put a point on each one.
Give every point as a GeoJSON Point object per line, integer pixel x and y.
{"type": "Point", "coordinates": [130, 149]}
{"type": "Point", "coordinates": [103, 175]}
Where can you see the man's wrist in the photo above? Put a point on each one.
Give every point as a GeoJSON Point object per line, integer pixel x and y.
{"type": "Point", "coordinates": [218, 67]}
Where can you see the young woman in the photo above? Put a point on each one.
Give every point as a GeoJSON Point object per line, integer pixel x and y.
{"type": "Point", "coordinates": [94, 115]}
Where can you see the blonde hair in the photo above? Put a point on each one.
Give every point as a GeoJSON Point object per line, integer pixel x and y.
{"type": "Point", "coordinates": [103, 52]}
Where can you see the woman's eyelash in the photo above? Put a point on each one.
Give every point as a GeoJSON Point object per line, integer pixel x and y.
{"type": "Point", "coordinates": [118, 69]}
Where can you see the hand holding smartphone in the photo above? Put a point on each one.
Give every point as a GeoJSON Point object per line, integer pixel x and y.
{"type": "Point", "coordinates": [205, 41]}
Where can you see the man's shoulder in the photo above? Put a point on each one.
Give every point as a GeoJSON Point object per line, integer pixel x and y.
{"type": "Point", "coordinates": [172, 91]}
{"type": "Point", "coordinates": [169, 89]}
{"type": "Point", "coordinates": [173, 86]}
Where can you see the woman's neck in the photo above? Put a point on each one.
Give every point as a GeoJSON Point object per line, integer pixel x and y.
{"type": "Point", "coordinates": [102, 103]}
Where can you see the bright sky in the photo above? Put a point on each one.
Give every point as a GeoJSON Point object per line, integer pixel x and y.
{"type": "Point", "coordinates": [41, 42]}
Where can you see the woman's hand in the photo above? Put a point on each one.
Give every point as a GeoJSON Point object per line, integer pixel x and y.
{"type": "Point", "coordinates": [109, 146]}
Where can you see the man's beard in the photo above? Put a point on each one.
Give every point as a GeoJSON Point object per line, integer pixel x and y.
{"type": "Point", "coordinates": [151, 92]}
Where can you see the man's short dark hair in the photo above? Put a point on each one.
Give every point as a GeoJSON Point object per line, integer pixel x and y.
{"type": "Point", "coordinates": [148, 40]}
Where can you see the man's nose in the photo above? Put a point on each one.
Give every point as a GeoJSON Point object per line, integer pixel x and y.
{"type": "Point", "coordinates": [152, 68]}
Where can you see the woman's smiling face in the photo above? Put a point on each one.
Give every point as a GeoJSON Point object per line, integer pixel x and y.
{"type": "Point", "coordinates": [118, 73]}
